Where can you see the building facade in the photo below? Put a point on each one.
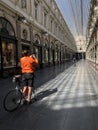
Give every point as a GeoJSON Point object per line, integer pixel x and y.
{"type": "Point", "coordinates": [92, 33]}
{"type": "Point", "coordinates": [37, 26]}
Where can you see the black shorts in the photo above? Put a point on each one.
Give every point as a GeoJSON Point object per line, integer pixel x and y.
{"type": "Point", "coordinates": [28, 79]}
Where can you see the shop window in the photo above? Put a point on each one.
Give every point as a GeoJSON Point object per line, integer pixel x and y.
{"type": "Point", "coordinates": [8, 54]}
{"type": "Point", "coordinates": [25, 34]}
{"type": "Point", "coordinates": [35, 51]}
{"type": "Point", "coordinates": [46, 55]}
{"type": "Point", "coordinates": [37, 39]}
{"type": "Point", "coordinates": [51, 58]}
{"type": "Point", "coordinates": [56, 56]}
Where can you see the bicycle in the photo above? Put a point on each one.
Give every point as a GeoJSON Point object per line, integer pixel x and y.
{"type": "Point", "coordinates": [14, 97]}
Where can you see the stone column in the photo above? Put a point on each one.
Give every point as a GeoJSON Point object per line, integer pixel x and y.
{"type": "Point", "coordinates": [31, 37]}
{"type": "Point", "coordinates": [18, 30]}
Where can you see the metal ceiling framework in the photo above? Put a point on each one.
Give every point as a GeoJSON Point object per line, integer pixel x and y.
{"type": "Point", "coordinates": [79, 10]}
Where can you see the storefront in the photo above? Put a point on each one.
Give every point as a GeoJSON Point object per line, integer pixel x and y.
{"type": "Point", "coordinates": [8, 48]}
{"type": "Point", "coordinates": [53, 54]}
{"type": "Point", "coordinates": [57, 54]}
{"type": "Point", "coordinates": [37, 49]}
{"type": "Point", "coordinates": [46, 55]}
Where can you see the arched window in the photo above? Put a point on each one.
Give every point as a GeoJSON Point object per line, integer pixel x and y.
{"type": "Point", "coordinates": [6, 28]}
{"type": "Point", "coordinates": [7, 44]}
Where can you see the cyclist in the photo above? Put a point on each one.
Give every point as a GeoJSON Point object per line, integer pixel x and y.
{"type": "Point", "coordinates": [28, 63]}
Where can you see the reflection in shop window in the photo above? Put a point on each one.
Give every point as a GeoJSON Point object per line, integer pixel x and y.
{"type": "Point", "coordinates": [36, 52]}
{"type": "Point", "coordinates": [46, 55]}
{"type": "Point", "coordinates": [51, 57]}
{"type": "Point", "coordinates": [56, 56]}
{"type": "Point", "coordinates": [9, 54]}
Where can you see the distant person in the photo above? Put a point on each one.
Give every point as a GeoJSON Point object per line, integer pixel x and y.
{"type": "Point", "coordinates": [74, 60]}
{"type": "Point", "coordinates": [28, 63]}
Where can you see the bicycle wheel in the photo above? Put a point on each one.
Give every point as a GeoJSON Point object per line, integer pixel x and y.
{"type": "Point", "coordinates": [12, 100]}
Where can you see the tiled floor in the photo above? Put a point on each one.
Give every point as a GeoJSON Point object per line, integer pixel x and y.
{"type": "Point", "coordinates": [68, 101]}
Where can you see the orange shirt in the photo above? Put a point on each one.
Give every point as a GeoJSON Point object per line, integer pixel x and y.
{"type": "Point", "coordinates": [27, 64]}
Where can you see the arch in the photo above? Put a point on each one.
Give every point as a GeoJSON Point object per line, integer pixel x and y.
{"type": "Point", "coordinates": [6, 27]}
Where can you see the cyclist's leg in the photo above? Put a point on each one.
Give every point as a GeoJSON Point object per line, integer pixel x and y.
{"type": "Point", "coordinates": [24, 82]}
{"type": "Point", "coordinates": [30, 87]}
{"type": "Point", "coordinates": [29, 93]}
{"type": "Point", "coordinates": [24, 91]}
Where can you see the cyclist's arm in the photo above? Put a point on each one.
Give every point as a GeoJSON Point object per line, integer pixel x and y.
{"type": "Point", "coordinates": [35, 61]}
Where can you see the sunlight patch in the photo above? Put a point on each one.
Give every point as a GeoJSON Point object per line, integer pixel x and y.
{"type": "Point", "coordinates": [70, 106]}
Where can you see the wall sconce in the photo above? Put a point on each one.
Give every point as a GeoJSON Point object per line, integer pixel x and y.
{"type": "Point", "coordinates": [45, 33]}
{"type": "Point", "coordinates": [55, 40]}
{"type": "Point", "coordinates": [22, 18]}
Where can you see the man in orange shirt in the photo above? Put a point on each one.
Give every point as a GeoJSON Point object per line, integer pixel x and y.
{"type": "Point", "coordinates": [27, 63]}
